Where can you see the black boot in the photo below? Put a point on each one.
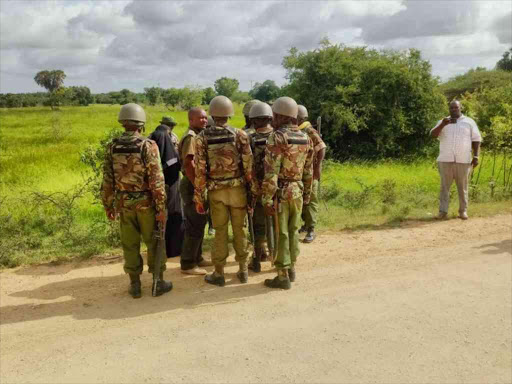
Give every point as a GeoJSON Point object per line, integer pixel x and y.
{"type": "Point", "coordinates": [242, 273]}
{"type": "Point", "coordinates": [280, 281]}
{"type": "Point", "coordinates": [217, 277]}
{"type": "Point", "coordinates": [310, 236]}
{"type": "Point", "coordinates": [162, 286]}
{"type": "Point", "coordinates": [135, 290]}
{"type": "Point", "coordinates": [291, 274]}
{"type": "Point", "coordinates": [255, 264]}
{"type": "Point", "coordinates": [303, 229]}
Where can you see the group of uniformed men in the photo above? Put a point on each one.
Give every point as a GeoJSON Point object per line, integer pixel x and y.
{"type": "Point", "coordinates": [270, 168]}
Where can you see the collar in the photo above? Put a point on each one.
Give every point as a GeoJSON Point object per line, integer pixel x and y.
{"type": "Point", "coordinates": [131, 133]}
{"type": "Point", "coordinates": [305, 124]}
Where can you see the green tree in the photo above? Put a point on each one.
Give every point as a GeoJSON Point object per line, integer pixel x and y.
{"type": "Point", "coordinates": [266, 91]}
{"type": "Point", "coordinates": [127, 96]}
{"type": "Point", "coordinates": [154, 95]}
{"type": "Point", "coordinates": [81, 96]}
{"type": "Point", "coordinates": [52, 81]}
{"type": "Point", "coordinates": [474, 79]}
{"type": "Point", "coordinates": [373, 104]}
{"type": "Point", "coordinates": [208, 95]}
{"type": "Point", "coordinates": [226, 86]}
{"type": "Point", "coordinates": [505, 63]}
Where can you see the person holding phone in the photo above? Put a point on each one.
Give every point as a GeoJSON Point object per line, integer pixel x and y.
{"type": "Point", "coordinates": [459, 149]}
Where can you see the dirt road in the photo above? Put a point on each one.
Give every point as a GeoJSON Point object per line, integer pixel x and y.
{"type": "Point", "coordinates": [426, 303]}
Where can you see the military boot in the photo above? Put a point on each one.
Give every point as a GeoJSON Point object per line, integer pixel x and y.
{"type": "Point", "coordinates": [291, 273]}
{"type": "Point", "coordinates": [135, 290]}
{"type": "Point", "coordinates": [303, 229]}
{"type": "Point", "coordinates": [162, 286]}
{"type": "Point", "coordinates": [255, 264]}
{"type": "Point", "coordinates": [280, 281]}
{"type": "Point", "coordinates": [310, 236]}
{"type": "Point", "coordinates": [243, 274]}
{"type": "Point", "coordinates": [217, 277]}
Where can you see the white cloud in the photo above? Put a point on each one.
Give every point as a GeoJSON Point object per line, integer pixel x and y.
{"type": "Point", "coordinates": [110, 45]}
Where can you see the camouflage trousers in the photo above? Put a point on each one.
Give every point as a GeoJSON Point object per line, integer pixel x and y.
{"type": "Point", "coordinates": [135, 224]}
{"type": "Point", "coordinates": [289, 222]}
{"type": "Point", "coordinates": [310, 211]}
{"type": "Point", "coordinates": [225, 205]}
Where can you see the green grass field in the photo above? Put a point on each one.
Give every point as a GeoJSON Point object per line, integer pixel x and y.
{"type": "Point", "coordinates": [40, 152]}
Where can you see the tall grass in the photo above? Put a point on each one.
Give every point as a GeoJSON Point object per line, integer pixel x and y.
{"type": "Point", "coordinates": [45, 216]}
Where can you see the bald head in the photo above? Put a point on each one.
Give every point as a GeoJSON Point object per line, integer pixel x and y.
{"type": "Point", "coordinates": [197, 118]}
{"type": "Point", "coordinates": [455, 109]}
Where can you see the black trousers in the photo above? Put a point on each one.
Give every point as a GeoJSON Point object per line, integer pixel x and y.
{"type": "Point", "coordinates": [191, 252]}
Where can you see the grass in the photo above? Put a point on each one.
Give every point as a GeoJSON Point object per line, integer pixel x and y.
{"type": "Point", "coordinates": [40, 153]}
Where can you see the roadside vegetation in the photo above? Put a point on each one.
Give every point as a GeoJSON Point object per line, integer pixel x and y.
{"type": "Point", "coordinates": [376, 115]}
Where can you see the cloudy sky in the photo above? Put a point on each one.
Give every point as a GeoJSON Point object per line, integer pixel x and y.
{"type": "Point", "coordinates": [111, 45]}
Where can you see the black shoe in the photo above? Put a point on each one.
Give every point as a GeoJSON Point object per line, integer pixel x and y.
{"type": "Point", "coordinates": [310, 236]}
{"type": "Point", "coordinates": [291, 274]}
{"type": "Point", "coordinates": [242, 276]}
{"type": "Point", "coordinates": [276, 283]}
{"type": "Point", "coordinates": [255, 266]}
{"type": "Point", "coordinates": [162, 287]}
{"type": "Point", "coordinates": [215, 280]}
{"type": "Point", "coordinates": [135, 288]}
{"type": "Point", "coordinates": [303, 229]}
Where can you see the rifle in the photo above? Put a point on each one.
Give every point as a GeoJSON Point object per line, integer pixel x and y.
{"type": "Point", "coordinates": [159, 236]}
{"type": "Point", "coordinates": [319, 128]}
{"type": "Point", "coordinates": [276, 231]}
{"type": "Point", "coordinates": [269, 234]}
{"type": "Point", "coordinates": [251, 232]}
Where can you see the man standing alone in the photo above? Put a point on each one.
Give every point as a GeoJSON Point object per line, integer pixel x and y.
{"type": "Point", "coordinates": [458, 135]}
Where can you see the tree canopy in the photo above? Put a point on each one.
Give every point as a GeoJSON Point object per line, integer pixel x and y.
{"type": "Point", "coordinates": [473, 80]}
{"type": "Point", "coordinates": [266, 91]}
{"type": "Point", "coordinates": [226, 86]}
{"type": "Point", "coordinates": [373, 104]}
{"type": "Point", "coordinates": [505, 63]}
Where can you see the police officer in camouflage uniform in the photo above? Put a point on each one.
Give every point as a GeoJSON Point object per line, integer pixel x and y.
{"type": "Point", "coordinates": [133, 188]}
{"type": "Point", "coordinates": [248, 128]}
{"type": "Point", "coordinates": [261, 118]}
{"type": "Point", "coordinates": [223, 164]}
{"type": "Point", "coordinates": [310, 211]}
{"type": "Point", "coordinates": [288, 178]}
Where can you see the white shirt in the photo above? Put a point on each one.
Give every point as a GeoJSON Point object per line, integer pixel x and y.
{"type": "Point", "coordinates": [455, 140]}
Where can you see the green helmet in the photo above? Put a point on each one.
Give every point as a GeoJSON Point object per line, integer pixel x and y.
{"type": "Point", "coordinates": [303, 112]}
{"type": "Point", "coordinates": [210, 123]}
{"type": "Point", "coordinates": [167, 120]}
{"type": "Point", "coordinates": [285, 106]}
{"type": "Point", "coordinates": [260, 110]}
{"type": "Point", "coordinates": [132, 111]}
{"type": "Point", "coordinates": [221, 106]}
{"type": "Point", "coordinates": [248, 106]}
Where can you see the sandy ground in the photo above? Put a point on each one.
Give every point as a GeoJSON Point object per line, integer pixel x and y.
{"type": "Point", "coordinates": [430, 302]}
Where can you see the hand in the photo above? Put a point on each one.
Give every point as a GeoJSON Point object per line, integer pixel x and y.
{"type": "Point", "coordinates": [161, 217]}
{"type": "Point", "coordinates": [446, 121]}
{"type": "Point", "coordinates": [474, 162]}
{"type": "Point", "coordinates": [200, 209]}
{"type": "Point", "coordinates": [269, 210]}
{"type": "Point", "coordinates": [111, 214]}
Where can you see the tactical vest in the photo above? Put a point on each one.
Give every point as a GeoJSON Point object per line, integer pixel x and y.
{"type": "Point", "coordinates": [258, 146]}
{"type": "Point", "coordinates": [129, 165]}
{"type": "Point", "coordinates": [223, 159]}
{"type": "Point", "coordinates": [296, 153]}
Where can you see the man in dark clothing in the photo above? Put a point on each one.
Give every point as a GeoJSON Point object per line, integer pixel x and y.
{"type": "Point", "coordinates": [191, 255]}
{"type": "Point", "coordinates": [171, 168]}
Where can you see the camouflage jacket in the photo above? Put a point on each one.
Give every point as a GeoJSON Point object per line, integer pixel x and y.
{"type": "Point", "coordinates": [288, 165]}
{"type": "Point", "coordinates": [223, 159]}
{"type": "Point", "coordinates": [132, 175]}
{"type": "Point", "coordinates": [258, 145]}
{"type": "Point", "coordinates": [318, 143]}
{"type": "Point", "coordinates": [249, 130]}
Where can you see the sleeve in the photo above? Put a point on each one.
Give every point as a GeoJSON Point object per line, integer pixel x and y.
{"type": "Point", "coordinates": [155, 175]}
{"type": "Point", "coordinates": [437, 125]}
{"type": "Point", "coordinates": [244, 148]}
{"type": "Point", "coordinates": [307, 174]}
{"type": "Point", "coordinates": [273, 159]}
{"type": "Point", "coordinates": [187, 148]}
{"type": "Point", "coordinates": [107, 186]}
{"type": "Point", "coordinates": [475, 132]}
{"type": "Point", "coordinates": [200, 166]}
{"type": "Point", "coordinates": [318, 143]}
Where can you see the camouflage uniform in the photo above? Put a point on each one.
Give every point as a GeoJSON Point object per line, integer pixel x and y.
{"type": "Point", "coordinates": [288, 173]}
{"type": "Point", "coordinates": [223, 163]}
{"type": "Point", "coordinates": [310, 211]}
{"type": "Point", "coordinates": [133, 185]}
{"type": "Point", "coordinates": [259, 144]}
{"type": "Point", "coordinates": [195, 223]}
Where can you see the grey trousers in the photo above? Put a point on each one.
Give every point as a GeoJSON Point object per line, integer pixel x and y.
{"type": "Point", "coordinates": [449, 172]}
